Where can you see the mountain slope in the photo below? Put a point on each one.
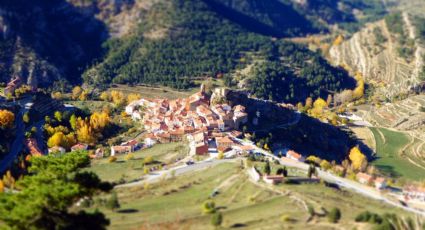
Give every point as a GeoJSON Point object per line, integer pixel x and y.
{"type": "Point", "coordinates": [388, 53]}
{"type": "Point", "coordinates": [194, 40]}
{"type": "Point", "coordinates": [47, 40]}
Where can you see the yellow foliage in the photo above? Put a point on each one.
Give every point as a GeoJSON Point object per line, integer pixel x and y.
{"type": "Point", "coordinates": [308, 103]}
{"type": "Point", "coordinates": [98, 121]}
{"type": "Point", "coordinates": [314, 159]}
{"type": "Point", "coordinates": [6, 119]}
{"type": "Point", "coordinates": [62, 140]}
{"type": "Point", "coordinates": [148, 160]}
{"type": "Point", "coordinates": [357, 158]}
{"type": "Point", "coordinates": [325, 165]}
{"type": "Point", "coordinates": [104, 96]}
{"type": "Point", "coordinates": [57, 95]}
{"type": "Point", "coordinates": [83, 96]}
{"type": "Point", "coordinates": [118, 98]}
{"type": "Point", "coordinates": [338, 40]}
{"type": "Point", "coordinates": [1, 186]}
{"type": "Point", "coordinates": [8, 180]}
{"type": "Point", "coordinates": [220, 155]}
{"type": "Point", "coordinates": [85, 133]}
{"type": "Point", "coordinates": [133, 97]}
{"type": "Point", "coordinates": [76, 91]}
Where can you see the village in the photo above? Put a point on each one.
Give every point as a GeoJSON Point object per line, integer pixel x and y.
{"type": "Point", "coordinates": [213, 128]}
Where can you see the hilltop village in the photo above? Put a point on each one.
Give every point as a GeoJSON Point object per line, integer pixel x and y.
{"type": "Point", "coordinates": [195, 117]}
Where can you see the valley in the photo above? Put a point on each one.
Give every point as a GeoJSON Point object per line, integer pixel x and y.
{"type": "Point", "coordinates": [212, 114]}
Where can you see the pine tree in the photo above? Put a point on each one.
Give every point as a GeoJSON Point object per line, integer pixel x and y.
{"type": "Point", "coordinates": [113, 202]}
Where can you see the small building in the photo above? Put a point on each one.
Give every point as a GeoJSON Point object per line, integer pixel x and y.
{"type": "Point", "coordinates": [149, 142]}
{"type": "Point", "coordinates": [56, 149]}
{"type": "Point", "coordinates": [198, 144]}
{"type": "Point", "coordinates": [414, 193]}
{"type": "Point", "coordinates": [224, 143]}
{"type": "Point", "coordinates": [380, 183]}
{"type": "Point", "coordinates": [133, 144]}
{"type": "Point", "coordinates": [364, 178]}
{"type": "Point", "coordinates": [79, 147]}
{"type": "Point", "coordinates": [99, 153]}
{"type": "Point", "coordinates": [120, 149]}
{"type": "Point", "coordinates": [291, 154]}
{"type": "Point", "coordinates": [273, 179]}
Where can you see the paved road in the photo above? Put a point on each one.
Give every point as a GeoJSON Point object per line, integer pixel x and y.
{"type": "Point", "coordinates": [17, 143]}
{"type": "Point", "coordinates": [177, 171]}
{"type": "Point", "coordinates": [342, 182]}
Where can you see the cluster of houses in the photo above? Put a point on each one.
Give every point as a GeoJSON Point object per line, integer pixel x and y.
{"type": "Point", "coordinates": [414, 193]}
{"type": "Point", "coordinates": [194, 118]}
{"type": "Point", "coordinates": [379, 182]}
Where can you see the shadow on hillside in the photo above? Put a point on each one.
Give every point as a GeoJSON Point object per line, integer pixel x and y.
{"type": "Point", "coordinates": [66, 36]}
{"type": "Point", "coordinates": [271, 18]}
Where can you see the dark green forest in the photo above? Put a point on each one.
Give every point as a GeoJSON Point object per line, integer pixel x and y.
{"type": "Point", "coordinates": [202, 43]}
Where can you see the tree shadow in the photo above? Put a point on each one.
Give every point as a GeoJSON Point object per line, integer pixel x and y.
{"type": "Point", "coordinates": [129, 210]}
{"type": "Point", "coordinates": [282, 20]}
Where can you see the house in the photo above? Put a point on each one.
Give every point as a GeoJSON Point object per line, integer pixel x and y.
{"type": "Point", "coordinates": [244, 149]}
{"type": "Point", "coordinates": [99, 153]}
{"type": "Point", "coordinates": [240, 117]}
{"type": "Point", "coordinates": [380, 183]}
{"type": "Point", "coordinates": [291, 154]}
{"type": "Point", "coordinates": [79, 147]}
{"type": "Point", "coordinates": [273, 179]}
{"type": "Point", "coordinates": [56, 149]}
{"type": "Point", "coordinates": [224, 143]}
{"type": "Point", "coordinates": [177, 135]}
{"type": "Point", "coordinates": [198, 144]}
{"type": "Point", "coordinates": [120, 149]}
{"type": "Point", "coordinates": [364, 178]}
{"type": "Point", "coordinates": [414, 193]}
{"type": "Point", "coordinates": [133, 144]}
{"type": "Point", "coordinates": [150, 141]}
{"type": "Point", "coordinates": [254, 174]}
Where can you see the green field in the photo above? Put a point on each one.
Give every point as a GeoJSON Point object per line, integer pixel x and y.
{"type": "Point", "coordinates": [392, 159]}
{"type": "Point", "coordinates": [129, 170]}
{"type": "Point", "coordinates": [176, 203]}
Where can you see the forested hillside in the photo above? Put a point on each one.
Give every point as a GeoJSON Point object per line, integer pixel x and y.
{"type": "Point", "coordinates": [194, 40]}
{"type": "Point", "coordinates": [42, 41]}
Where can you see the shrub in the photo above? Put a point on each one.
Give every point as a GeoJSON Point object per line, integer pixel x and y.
{"type": "Point", "coordinates": [148, 160]}
{"type": "Point", "coordinates": [208, 207]}
{"type": "Point", "coordinates": [112, 159]}
{"type": "Point", "coordinates": [216, 219]}
{"type": "Point", "coordinates": [334, 215]}
{"type": "Point", "coordinates": [129, 156]}
{"type": "Point", "coordinates": [113, 202]}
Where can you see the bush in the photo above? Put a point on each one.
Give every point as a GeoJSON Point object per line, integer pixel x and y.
{"type": "Point", "coordinates": [208, 207]}
{"type": "Point", "coordinates": [129, 156]}
{"type": "Point", "coordinates": [148, 160]}
{"type": "Point", "coordinates": [216, 219]}
{"type": "Point", "coordinates": [113, 202]}
{"type": "Point", "coordinates": [334, 215]}
{"type": "Point", "coordinates": [112, 159]}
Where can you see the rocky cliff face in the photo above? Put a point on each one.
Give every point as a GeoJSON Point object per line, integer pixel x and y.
{"type": "Point", "coordinates": [375, 52]}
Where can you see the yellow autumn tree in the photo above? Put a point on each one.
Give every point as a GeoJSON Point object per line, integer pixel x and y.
{"type": "Point", "coordinates": [104, 96]}
{"type": "Point", "coordinates": [6, 119]}
{"type": "Point", "coordinates": [338, 40]}
{"type": "Point", "coordinates": [58, 139]}
{"type": "Point", "coordinates": [83, 96]}
{"type": "Point", "coordinates": [85, 133]}
{"type": "Point", "coordinates": [133, 97]}
{"type": "Point", "coordinates": [76, 91]}
{"type": "Point", "coordinates": [57, 95]}
{"type": "Point", "coordinates": [117, 98]}
{"type": "Point", "coordinates": [1, 186]}
{"type": "Point", "coordinates": [98, 121]}
{"type": "Point", "coordinates": [318, 106]}
{"type": "Point", "coordinates": [8, 180]}
{"type": "Point", "coordinates": [357, 158]}
{"type": "Point", "coordinates": [308, 103]}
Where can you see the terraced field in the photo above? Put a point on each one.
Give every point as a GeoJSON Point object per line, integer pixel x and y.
{"type": "Point", "coordinates": [177, 203]}
{"type": "Point", "coordinates": [399, 155]}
